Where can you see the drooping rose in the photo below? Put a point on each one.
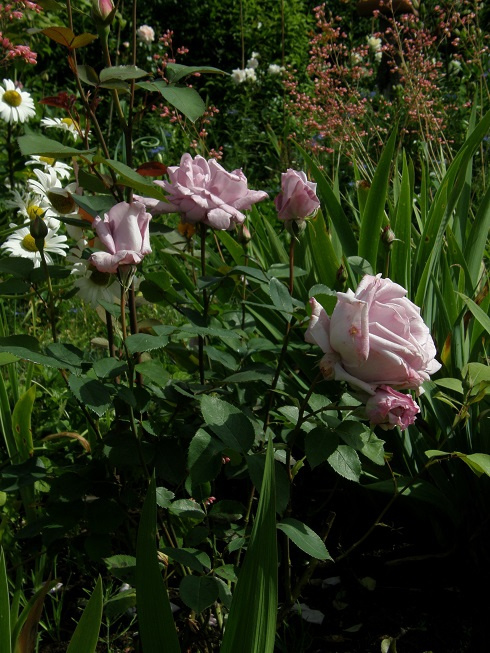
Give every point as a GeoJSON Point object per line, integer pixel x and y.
{"type": "Point", "coordinates": [388, 408]}
{"type": "Point", "coordinates": [374, 337]}
{"type": "Point", "coordinates": [124, 232]}
{"type": "Point", "coordinates": [297, 199]}
{"type": "Point", "coordinates": [203, 191]}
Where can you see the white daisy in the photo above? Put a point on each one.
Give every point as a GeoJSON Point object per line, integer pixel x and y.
{"type": "Point", "coordinates": [48, 186]}
{"type": "Point", "coordinates": [22, 244]}
{"type": "Point", "coordinates": [92, 285]}
{"type": "Point", "coordinates": [62, 170]}
{"type": "Point", "coordinates": [15, 105]}
{"type": "Point", "coordinates": [31, 206]}
{"type": "Point", "coordinates": [66, 124]}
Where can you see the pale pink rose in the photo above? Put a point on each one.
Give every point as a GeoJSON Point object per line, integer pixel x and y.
{"type": "Point", "coordinates": [146, 33]}
{"type": "Point", "coordinates": [388, 408]}
{"type": "Point", "coordinates": [297, 199]}
{"type": "Point", "coordinates": [124, 232]}
{"type": "Point", "coordinates": [374, 337]}
{"type": "Point", "coordinates": [203, 191]}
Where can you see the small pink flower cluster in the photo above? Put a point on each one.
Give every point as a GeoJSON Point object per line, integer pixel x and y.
{"type": "Point", "coordinates": [12, 51]}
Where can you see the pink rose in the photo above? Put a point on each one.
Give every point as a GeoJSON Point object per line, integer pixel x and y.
{"type": "Point", "coordinates": [103, 10]}
{"type": "Point", "coordinates": [375, 337]}
{"type": "Point", "coordinates": [203, 191]}
{"type": "Point", "coordinates": [146, 33]}
{"type": "Point", "coordinates": [124, 232]}
{"type": "Point", "coordinates": [388, 408]}
{"type": "Point", "coordinates": [297, 199]}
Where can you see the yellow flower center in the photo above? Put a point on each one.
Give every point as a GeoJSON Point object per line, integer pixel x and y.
{"type": "Point", "coordinates": [47, 159]}
{"type": "Point", "coordinates": [29, 244]}
{"type": "Point", "coordinates": [34, 211]}
{"type": "Point", "coordinates": [69, 122]}
{"type": "Point", "coordinates": [13, 98]}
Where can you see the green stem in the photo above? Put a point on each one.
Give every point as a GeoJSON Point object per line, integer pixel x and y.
{"type": "Point", "coordinates": [51, 311]}
{"type": "Point", "coordinates": [205, 301]}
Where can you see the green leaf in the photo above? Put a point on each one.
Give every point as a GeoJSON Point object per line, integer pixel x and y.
{"type": "Point", "coordinates": [345, 461]}
{"type": "Point", "coordinates": [6, 358]}
{"type": "Point", "coordinates": [192, 558]}
{"type": "Point", "coordinates": [325, 261]}
{"type": "Point", "coordinates": [231, 426]}
{"type": "Point", "coordinates": [86, 635]}
{"type": "Point", "coordinates": [184, 99]}
{"type": "Point", "coordinates": [320, 443]}
{"type": "Point", "coordinates": [372, 219]}
{"type": "Point", "coordinates": [280, 296]}
{"type": "Point", "coordinates": [400, 256]}
{"type": "Point", "coordinates": [131, 178]}
{"type": "Point", "coordinates": [109, 368]}
{"type": "Point", "coordinates": [118, 605]}
{"type": "Point", "coordinates": [91, 393]}
{"type": "Point", "coordinates": [41, 145]}
{"type": "Point", "coordinates": [247, 376]}
{"type": "Point", "coordinates": [122, 567]}
{"type": "Point", "coordinates": [88, 75]}
{"type": "Point", "coordinates": [177, 71]}
{"type": "Point", "coordinates": [121, 73]}
{"type": "Point", "coordinates": [139, 342]}
{"type": "Point", "coordinates": [17, 267]}
{"type": "Point", "coordinates": [164, 497]}
{"type": "Point", "coordinates": [251, 625]}
{"type": "Point", "coordinates": [187, 509]}
{"type": "Point", "coordinates": [153, 371]}
{"type": "Point", "coordinates": [4, 606]}
{"type": "Point", "coordinates": [155, 622]}
{"type": "Point", "coordinates": [21, 424]}
{"type": "Point", "coordinates": [199, 592]}
{"type": "Point", "coordinates": [204, 458]}
{"type": "Point", "coordinates": [478, 462]}
{"type": "Point", "coordinates": [477, 238]}
{"type": "Point", "coordinates": [477, 312]}
{"type": "Point", "coordinates": [305, 538]}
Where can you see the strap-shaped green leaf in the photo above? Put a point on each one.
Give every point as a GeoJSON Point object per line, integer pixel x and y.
{"type": "Point", "coordinates": [86, 634]}
{"type": "Point", "coordinates": [4, 607]}
{"type": "Point", "coordinates": [251, 625]}
{"type": "Point", "coordinates": [372, 218]}
{"type": "Point", "coordinates": [155, 621]}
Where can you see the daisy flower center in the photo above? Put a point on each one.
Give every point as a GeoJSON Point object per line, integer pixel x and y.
{"type": "Point", "coordinates": [29, 244]}
{"type": "Point", "coordinates": [12, 98]}
{"type": "Point", "coordinates": [47, 159]}
{"type": "Point", "coordinates": [69, 122]}
{"type": "Point", "coordinates": [34, 211]}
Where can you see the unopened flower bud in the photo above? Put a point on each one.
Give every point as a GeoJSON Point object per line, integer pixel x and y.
{"type": "Point", "coordinates": [295, 227]}
{"type": "Point", "coordinates": [388, 236]}
{"type": "Point", "coordinates": [243, 234]}
{"type": "Point", "coordinates": [103, 11]}
{"type": "Point", "coordinates": [341, 275]}
{"type": "Point", "coordinates": [38, 230]}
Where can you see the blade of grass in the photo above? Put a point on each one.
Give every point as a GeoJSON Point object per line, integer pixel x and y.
{"type": "Point", "coordinates": [325, 262]}
{"type": "Point", "coordinates": [251, 625]}
{"type": "Point", "coordinates": [86, 635]}
{"type": "Point", "coordinates": [155, 620]}
{"type": "Point", "coordinates": [400, 255]}
{"type": "Point", "coordinates": [4, 606]}
{"type": "Point", "coordinates": [477, 238]}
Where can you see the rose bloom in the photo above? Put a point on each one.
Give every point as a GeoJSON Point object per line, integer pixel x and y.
{"type": "Point", "coordinates": [203, 191]}
{"type": "Point", "coordinates": [124, 232]}
{"type": "Point", "coordinates": [375, 337]}
{"type": "Point", "coordinates": [146, 33]}
{"type": "Point", "coordinates": [297, 199]}
{"type": "Point", "coordinates": [388, 408]}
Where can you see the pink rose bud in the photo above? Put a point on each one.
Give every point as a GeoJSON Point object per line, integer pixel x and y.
{"type": "Point", "coordinates": [103, 11]}
{"type": "Point", "coordinates": [388, 408]}
{"type": "Point", "coordinates": [374, 337]}
{"type": "Point", "coordinates": [297, 199]}
{"type": "Point", "coordinates": [124, 232]}
{"type": "Point", "coordinates": [203, 191]}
